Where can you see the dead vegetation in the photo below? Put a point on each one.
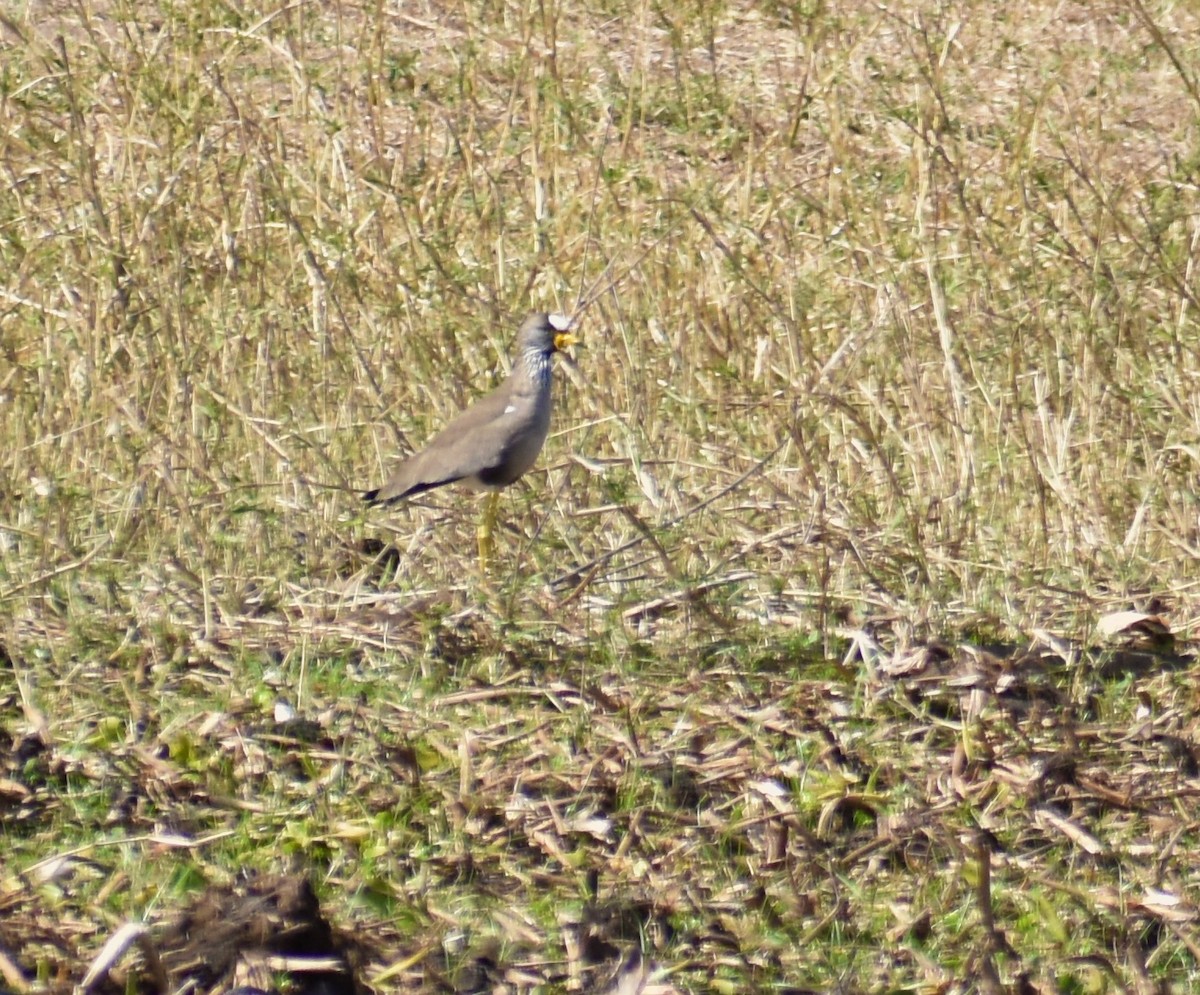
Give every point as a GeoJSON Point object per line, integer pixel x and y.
{"type": "Point", "coordinates": [738, 823]}
{"type": "Point", "coordinates": [804, 667]}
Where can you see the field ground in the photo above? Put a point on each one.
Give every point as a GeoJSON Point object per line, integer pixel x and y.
{"type": "Point", "coordinates": [802, 665]}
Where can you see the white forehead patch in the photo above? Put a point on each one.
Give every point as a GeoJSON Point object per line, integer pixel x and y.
{"type": "Point", "coordinates": [559, 322]}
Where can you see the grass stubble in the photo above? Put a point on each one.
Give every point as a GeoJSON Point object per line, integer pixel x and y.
{"type": "Point", "coordinates": [789, 676]}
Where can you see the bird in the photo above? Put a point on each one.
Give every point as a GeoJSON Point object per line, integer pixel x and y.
{"type": "Point", "coordinates": [497, 439]}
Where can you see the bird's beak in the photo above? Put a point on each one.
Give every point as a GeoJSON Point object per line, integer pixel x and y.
{"type": "Point", "coordinates": [565, 339]}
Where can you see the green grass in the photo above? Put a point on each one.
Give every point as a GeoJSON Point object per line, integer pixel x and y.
{"type": "Point", "coordinates": [887, 397]}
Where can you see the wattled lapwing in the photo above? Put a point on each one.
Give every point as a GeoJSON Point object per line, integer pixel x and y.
{"type": "Point", "coordinates": [495, 440]}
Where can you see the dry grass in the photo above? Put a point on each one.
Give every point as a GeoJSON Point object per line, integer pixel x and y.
{"type": "Point", "coordinates": [892, 330]}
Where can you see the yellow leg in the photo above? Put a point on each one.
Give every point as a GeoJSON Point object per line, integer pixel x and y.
{"type": "Point", "coordinates": [484, 532]}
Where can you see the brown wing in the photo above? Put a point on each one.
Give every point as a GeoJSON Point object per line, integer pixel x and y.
{"type": "Point", "coordinates": [471, 444]}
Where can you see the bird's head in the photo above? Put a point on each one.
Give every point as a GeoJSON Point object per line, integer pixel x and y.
{"type": "Point", "coordinates": [545, 333]}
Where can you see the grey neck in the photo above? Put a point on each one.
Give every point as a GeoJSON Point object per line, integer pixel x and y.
{"type": "Point", "coordinates": [533, 369]}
